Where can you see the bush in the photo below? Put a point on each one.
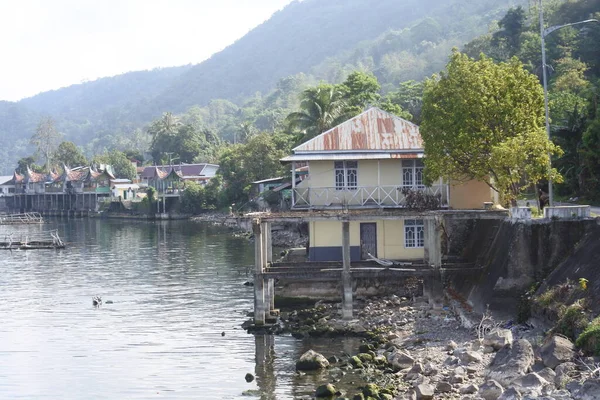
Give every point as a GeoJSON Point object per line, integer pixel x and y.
{"type": "Point", "coordinates": [589, 340]}
{"type": "Point", "coordinates": [573, 320]}
{"type": "Point", "coordinates": [420, 201]}
{"type": "Point", "coordinates": [193, 200]}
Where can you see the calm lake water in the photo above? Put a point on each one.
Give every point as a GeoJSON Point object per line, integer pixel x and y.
{"type": "Point", "coordinates": [176, 286]}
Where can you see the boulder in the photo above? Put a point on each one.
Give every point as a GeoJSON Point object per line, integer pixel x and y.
{"type": "Point", "coordinates": [451, 346]}
{"type": "Point", "coordinates": [468, 356]}
{"type": "Point", "coordinates": [401, 359]}
{"type": "Point", "coordinates": [512, 362]}
{"type": "Point", "coordinates": [490, 390]}
{"type": "Point", "coordinates": [311, 361]}
{"type": "Point", "coordinates": [590, 390]}
{"type": "Point", "coordinates": [556, 351]}
{"type": "Point", "coordinates": [325, 391]}
{"type": "Point", "coordinates": [531, 384]}
{"type": "Point", "coordinates": [425, 391]}
{"type": "Point", "coordinates": [498, 338]}
{"type": "Point", "coordinates": [469, 389]}
{"type": "Point", "coordinates": [371, 390]}
{"type": "Point", "coordinates": [443, 387]}
{"type": "Point", "coordinates": [548, 374]}
{"type": "Point", "coordinates": [563, 374]}
{"type": "Point", "coordinates": [510, 394]}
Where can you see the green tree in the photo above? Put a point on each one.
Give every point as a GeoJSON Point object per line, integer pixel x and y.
{"type": "Point", "coordinates": [511, 26]}
{"type": "Point", "coordinates": [165, 126]}
{"type": "Point", "coordinates": [485, 121]}
{"type": "Point", "coordinates": [121, 165]}
{"type": "Point", "coordinates": [28, 162]}
{"type": "Point", "coordinates": [193, 200]}
{"type": "Point", "coordinates": [322, 107]}
{"type": "Point", "coordinates": [360, 89]}
{"type": "Point", "coordinates": [46, 139]}
{"type": "Point", "coordinates": [70, 155]}
{"type": "Point", "coordinates": [242, 164]}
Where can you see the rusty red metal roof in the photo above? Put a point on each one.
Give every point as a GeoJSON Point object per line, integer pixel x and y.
{"type": "Point", "coordinates": [35, 177]}
{"type": "Point", "coordinates": [373, 130]}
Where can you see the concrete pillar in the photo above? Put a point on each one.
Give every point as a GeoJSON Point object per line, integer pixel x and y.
{"type": "Point", "coordinates": [269, 289]}
{"type": "Point", "coordinates": [433, 242]}
{"type": "Point", "coordinates": [259, 283]}
{"type": "Point", "coordinates": [346, 275]}
{"type": "Point", "coordinates": [269, 260]}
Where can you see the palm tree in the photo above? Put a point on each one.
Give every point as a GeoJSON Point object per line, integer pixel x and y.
{"type": "Point", "coordinates": [323, 107]}
{"type": "Point", "coordinates": [167, 125]}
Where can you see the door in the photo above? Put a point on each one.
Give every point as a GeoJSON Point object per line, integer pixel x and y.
{"type": "Point", "coordinates": [368, 240]}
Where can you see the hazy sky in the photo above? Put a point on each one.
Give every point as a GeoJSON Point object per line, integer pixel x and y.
{"type": "Point", "coordinates": [48, 44]}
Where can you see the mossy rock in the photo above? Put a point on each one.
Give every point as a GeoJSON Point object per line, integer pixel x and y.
{"type": "Point", "coordinates": [356, 362]}
{"type": "Point", "coordinates": [365, 348]}
{"type": "Point", "coordinates": [589, 340]}
{"type": "Point", "coordinates": [327, 390]}
{"type": "Point", "coordinates": [385, 396]}
{"type": "Point", "coordinates": [365, 357]}
{"type": "Point", "coordinates": [371, 390]}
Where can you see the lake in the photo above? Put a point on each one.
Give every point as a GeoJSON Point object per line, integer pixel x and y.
{"type": "Point", "coordinates": [176, 286]}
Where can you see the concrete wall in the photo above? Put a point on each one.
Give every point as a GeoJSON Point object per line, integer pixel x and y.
{"type": "Point", "coordinates": [326, 241]}
{"type": "Point", "coordinates": [470, 195]}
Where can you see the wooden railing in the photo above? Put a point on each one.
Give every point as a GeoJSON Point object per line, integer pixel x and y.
{"type": "Point", "coordinates": [365, 196]}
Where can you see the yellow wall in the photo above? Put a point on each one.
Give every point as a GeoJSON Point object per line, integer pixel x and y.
{"type": "Point", "coordinates": [390, 238]}
{"type": "Point", "coordinates": [470, 195]}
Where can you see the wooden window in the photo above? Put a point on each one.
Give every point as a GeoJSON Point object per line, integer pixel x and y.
{"type": "Point", "coordinates": [414, 233]}
{"type": "Point", "coordinates": [412, 174]}
{"type": "Point", "coordinates": [346, 175]}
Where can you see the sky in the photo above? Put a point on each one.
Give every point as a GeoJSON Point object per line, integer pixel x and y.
{"type": "Point", "coordinates": [49, 44]}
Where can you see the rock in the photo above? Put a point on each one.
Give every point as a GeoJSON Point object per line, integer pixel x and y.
{"type": "Point", "coordinates": [310, 361]}
{"type": "Point", "coordinates": [468, 356]}
{"type": "Point", "coordinates": [490, 390]}
{"type": "Point", "coordinates": [249, 377]}
{"type": "Point", "coordinates": [488, 349]}
{"type": "Point", "coordinates": [510, 394]}
{"type": "Point", "coordinates": [371, 390]}
{"type": "Point", "coordinates": [417, 368]}
{"type": "Point", "coordinates": [430, 369]}
{"type": "Point", "coordinates": [512, 362]}
{"type": "Point", "coordinates": [469, 389]}
{"type": "Point", "coordinates": [401, 359]}
{"type": "Point", "coordinates": [443, 387]}
{"type": "Point", "coordinates": [325, 391]}
{"type": "Point", "coordinates": [333, 360]}
{"type": "Point", "coordinates": [590, 390]}
{"type": "Point", "coordinates": [548, 374]}
{"type": "Point", "coordinates": [451, 346]}
{"type": "Point", "coordinates": [425, 391]}
{"type": "Point", "coordinates": [356, 362]}
{"type": "Point", "coordinates": [498, 338]}
{"type": "Point", "coordinates": [556, 351]}
{"type": "Point", "coordinates": [531, 383]}
{"type": "Point", "coordinates": [563, 374]}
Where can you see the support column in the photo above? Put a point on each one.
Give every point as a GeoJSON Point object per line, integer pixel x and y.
{"type": "Point", "coordinates": [293, 183]}
{"type": "Point", "coordinates": [346, 275]}
{"type": "Point", "coordinates": [433, 242]}
{"type": "Point", "coordinates": [259, 282]}
{"type": "Point", "coordinates": [266, 232]}
{"type": "Point", "coordinates": [268, 261]}
{"type": "Point", "coordinates": [433, 287]}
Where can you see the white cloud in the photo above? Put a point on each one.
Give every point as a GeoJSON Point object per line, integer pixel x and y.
{"type": "Point", "coordinates": [52, 44]}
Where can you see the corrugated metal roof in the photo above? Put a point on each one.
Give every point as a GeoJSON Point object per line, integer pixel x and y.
{"type": "Point", "coordinates": [349, 156]}
{"type": "Point", "coordinates": [373, 130]}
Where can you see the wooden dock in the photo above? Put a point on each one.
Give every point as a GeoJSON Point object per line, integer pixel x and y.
{"type": "Point", "coordinates": [21, 219]}
{"type": "Point", "coordinates": [32, 241]}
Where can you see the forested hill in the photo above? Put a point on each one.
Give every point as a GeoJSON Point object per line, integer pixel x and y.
{"type": "Point", "coordinates": [263, 72]}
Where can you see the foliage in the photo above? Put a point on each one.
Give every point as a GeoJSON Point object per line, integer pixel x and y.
{"type": "Point", "coordinates": [419, 200]}
{"type": "Point", "coordinates": [484, 121]}
{"type": "Point", "coordinates": [193, 200]}
{"type": "Point", "coordinates": [46, 140]}
{"type": "Point", "coordinates": [322, 108]}
{"type": "Point", "coordinates": [151, 194]}
{"type": "Point", "coordinates": [589, 340]}
{"type": "Point", "coordinates": [572, 320]}
{"type": "Point", "coordinates": [121, 165]}
{"type": "Point", "coordinates": [28, 162]}
{"type": "Point", "coordinates": [241, 164]}
{"type": "Point", "coordinates": [70, 155]}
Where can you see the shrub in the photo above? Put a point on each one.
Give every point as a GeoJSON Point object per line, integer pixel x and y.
{"type": "Point", "coordinates": [573, 320]}
{"type": "Point", "coordinates": [589, 340]}
{"type": "Point", "coordinates": [420, 201]}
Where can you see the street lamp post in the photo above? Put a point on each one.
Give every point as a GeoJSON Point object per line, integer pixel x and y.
{"type": "Point", "coordinates": [543, 33]}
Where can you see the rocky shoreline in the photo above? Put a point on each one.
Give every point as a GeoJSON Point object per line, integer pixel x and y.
{"type": "Point", "coordinates": [412, 351]}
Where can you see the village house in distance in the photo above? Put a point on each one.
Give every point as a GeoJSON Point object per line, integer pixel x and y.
{"type": "Point", "coordinates": [83, 189]}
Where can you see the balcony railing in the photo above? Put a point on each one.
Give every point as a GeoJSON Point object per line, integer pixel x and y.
{"type": "Point", "coordinates": [362, 197]}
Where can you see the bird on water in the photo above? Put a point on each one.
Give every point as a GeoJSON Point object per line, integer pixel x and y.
{"type": "Point", "coordinates": [97, 301]}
